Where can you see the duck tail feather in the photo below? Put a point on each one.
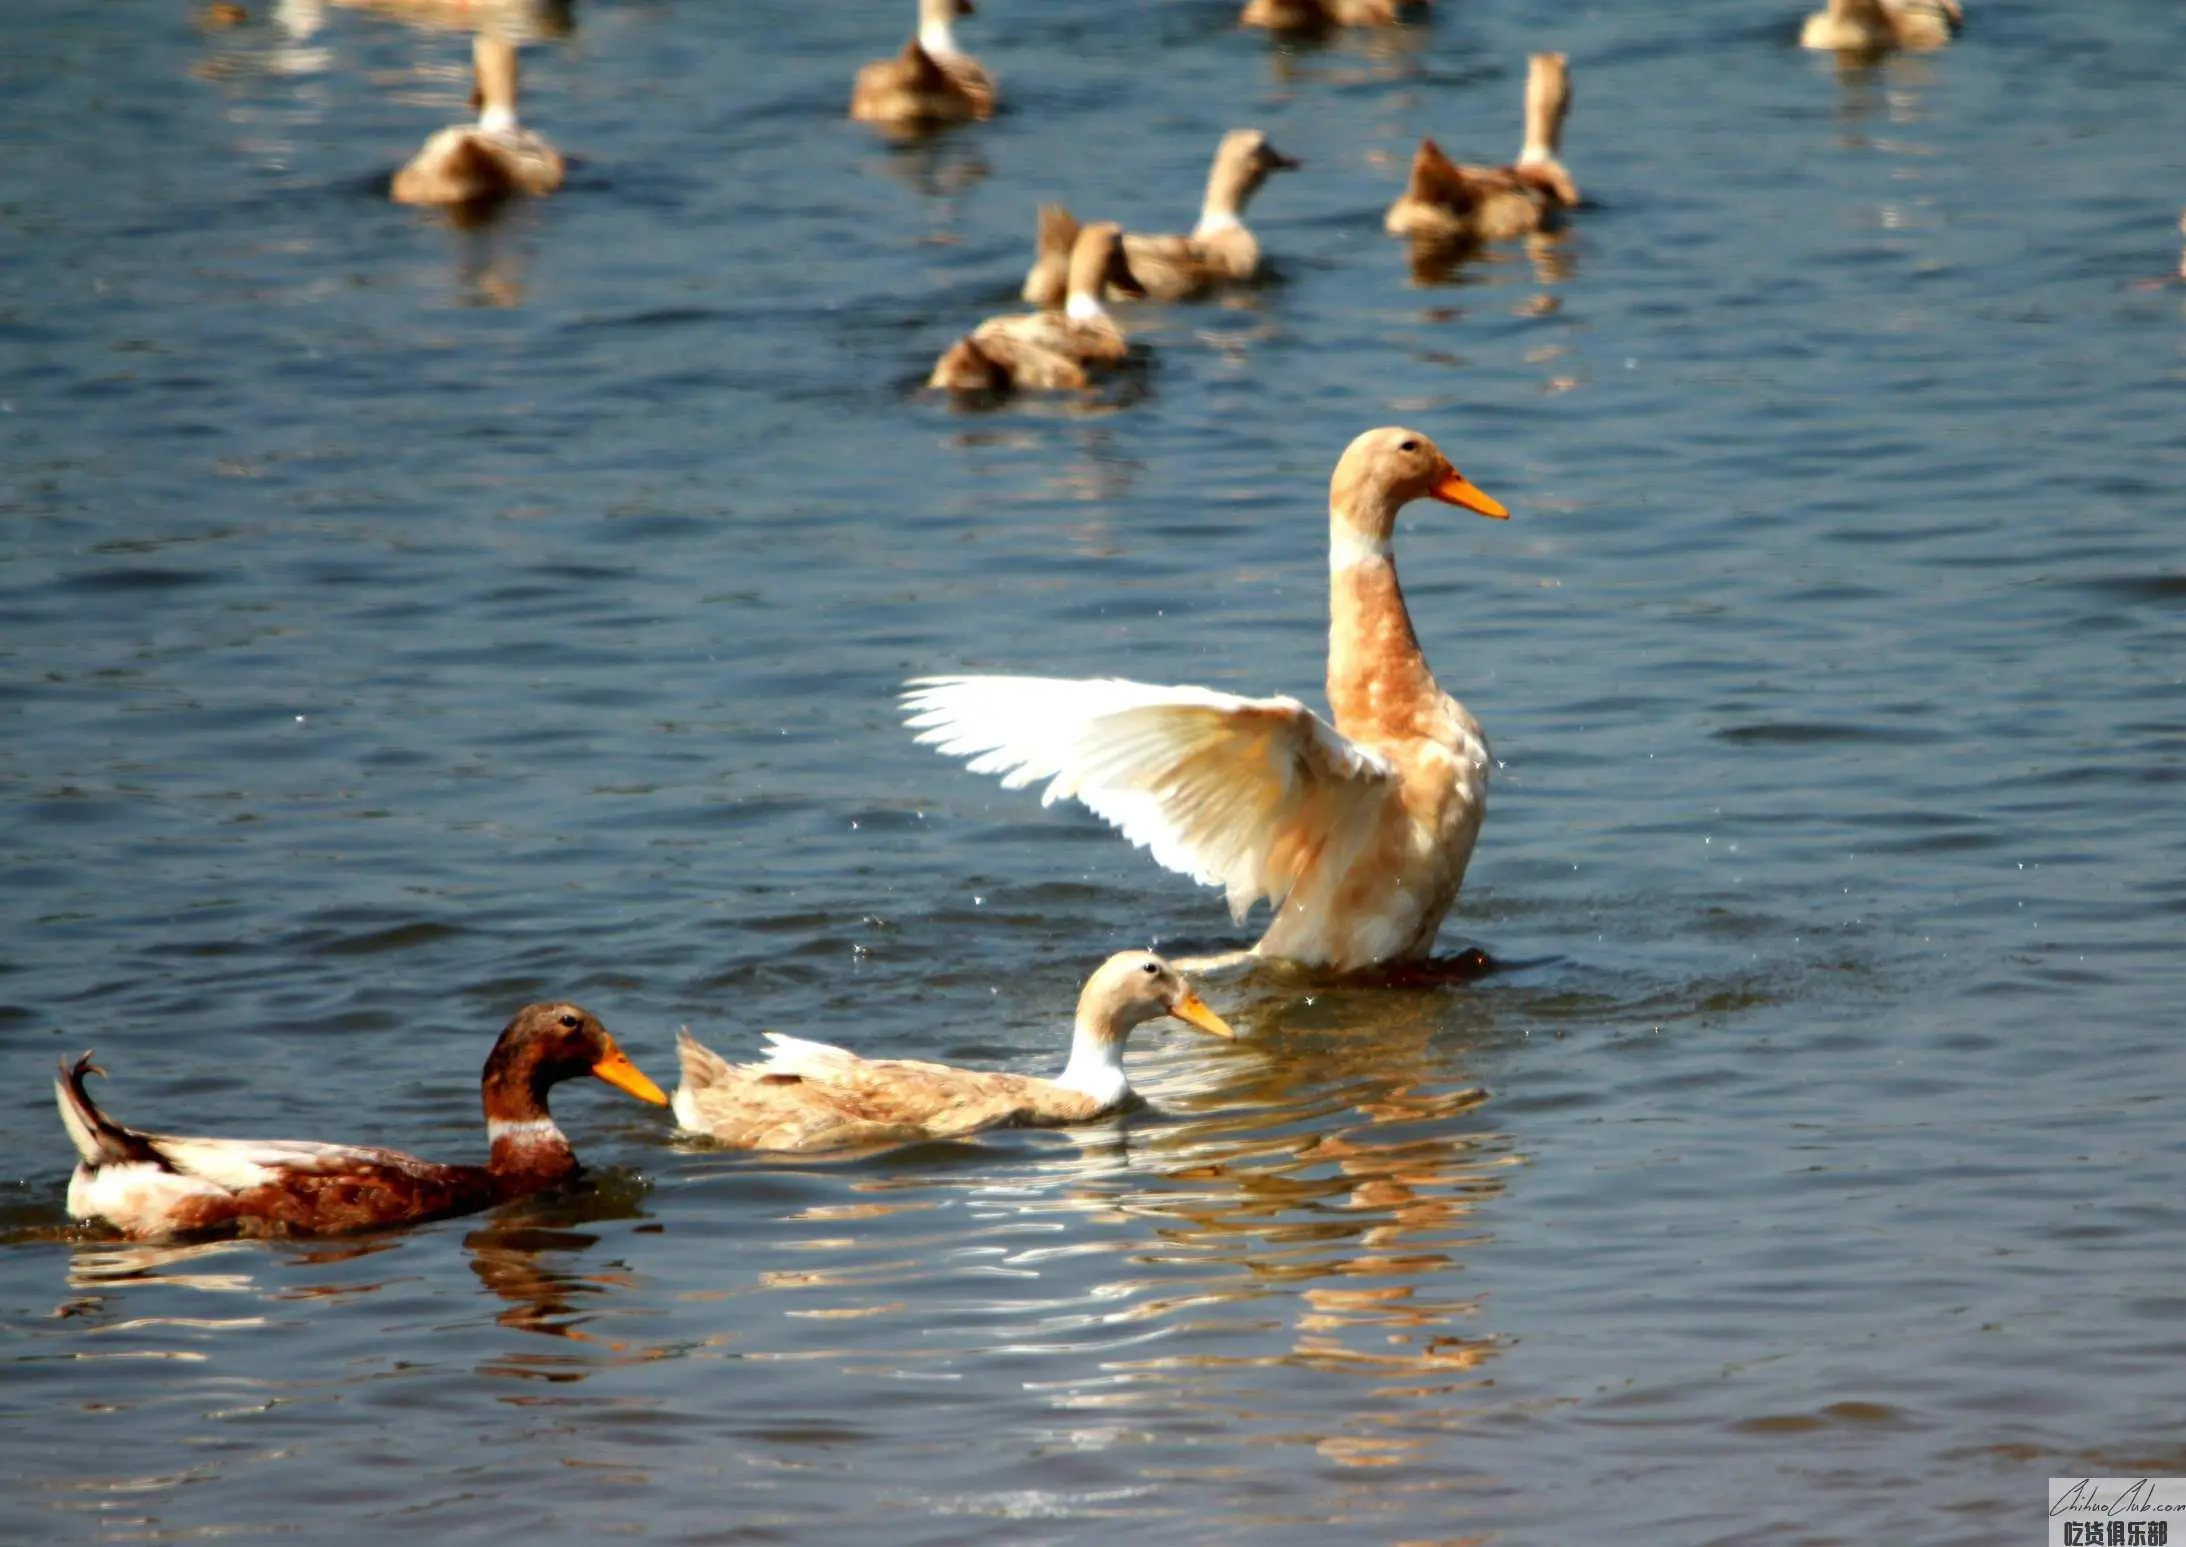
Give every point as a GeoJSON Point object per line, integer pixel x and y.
{"type": "Point", "coordinates": [98, 1138]}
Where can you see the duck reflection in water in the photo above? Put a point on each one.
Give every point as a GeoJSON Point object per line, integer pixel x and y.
{"type": "Point", "coordinates": [1354, 57]}
{"type": "Point", "coordinates": [1364, 1220]}
{"type": "Point", "coordinates": [1551, 256]}
{"type": "Point", "coordinates": [1345, 1182]}
{"type": "Point", "coordinates": [933, 168]}
{"type": "Point", "coordinates": [536, 1257]}
{"type": "Point", "coordinates": [490, 260]}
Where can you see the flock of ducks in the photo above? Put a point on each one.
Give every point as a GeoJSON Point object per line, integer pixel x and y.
{"type": "Point", "coordinates": [1356, 828]}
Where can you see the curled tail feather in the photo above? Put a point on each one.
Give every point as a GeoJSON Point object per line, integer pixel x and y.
{"type": "Point", "coordinates": [1058, 230]}
{"type": "Point", "coordinates": [1436, 179]}
{"type": "Point", "coordinates": [98, 1138]}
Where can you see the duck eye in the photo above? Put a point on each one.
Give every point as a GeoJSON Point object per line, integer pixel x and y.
{"type": "Point", "coordinates": [1410, 445]}
{"type": "Point", "coordinates": [1151, 968]}
{"type": "Point", "coordinates": [569, 1023]}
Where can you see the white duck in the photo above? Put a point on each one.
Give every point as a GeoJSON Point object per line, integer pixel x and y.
{"type": "Point", "coordinates": [1358, 832]}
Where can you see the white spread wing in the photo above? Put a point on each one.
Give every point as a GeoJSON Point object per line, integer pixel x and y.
{"type": "Point", "coordinates": [1240, 793]}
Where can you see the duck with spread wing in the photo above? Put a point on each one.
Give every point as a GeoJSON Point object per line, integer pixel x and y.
{"type": "Point", "coordinates": [1358, 829]}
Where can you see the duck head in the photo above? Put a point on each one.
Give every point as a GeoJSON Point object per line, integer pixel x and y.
{"type": "Point", "coordinates": [546, 1044]}
{"type": "Point", "coordinates": [1134, 987]}
{"type": "Point", "coordinates": [1242, 163]}
{"type": "Point", "coordinates": [1384, 470]}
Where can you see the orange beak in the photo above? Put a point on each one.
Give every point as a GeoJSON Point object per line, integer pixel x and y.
{"type": "Point", "coordinates": [1454, 490]}
{"type": "Point", "coordinates": [617, 1070]}
{"type": "Point", "coordinates": [1193, 1010]}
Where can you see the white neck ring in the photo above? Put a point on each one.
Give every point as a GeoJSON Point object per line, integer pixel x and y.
{"type": "Point", "coordinates": [535, 1130]}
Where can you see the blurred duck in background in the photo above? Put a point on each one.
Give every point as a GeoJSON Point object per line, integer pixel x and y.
{"type": "Point", "coordinates": [1876, 26]}
{"type": "Point", "coordinates": [1220, 250]}
{"type": "Point", "coordinates": [1447, 203]}
{"type": "Point", "coordinates": [932, 82]}
{"type": "Point", "coordinates": [1050, 350]}
{"type": "Point", "coordinates": [487, 161]}
{"type": "Point", "coordinates": [521, 21]}
{"type": "Point", "coordinates": [1322, 15]}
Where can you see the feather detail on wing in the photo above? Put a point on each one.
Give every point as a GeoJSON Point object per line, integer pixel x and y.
{"type": "Point", "coordinates": [811, 1096]}
{"type": "Point", "coordinates": [234, 1165]}
{"type": "Point", "coordinates": [1240, 793]}
{"type": "Point", "coordinates": [242, 1164]}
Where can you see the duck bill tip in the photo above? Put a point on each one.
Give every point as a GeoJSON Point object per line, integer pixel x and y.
{"type": "Point", "coordinates": [617, 1070]}
{"type": "Point", "coordinates": [1193, 1011]}
{"type": "Point", "coordinates": [1454, 489]}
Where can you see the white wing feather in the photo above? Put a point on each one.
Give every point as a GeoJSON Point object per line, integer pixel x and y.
{"type": "Point", "coordinates": [1239, 793]}
{"type": "Point", "coordinates": [822, 1061]}
{"type": "Point", "coordinates": [238, 1165]}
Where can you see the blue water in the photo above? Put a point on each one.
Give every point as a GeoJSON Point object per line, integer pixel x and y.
{"type": "Point", "coordinates": [400, 623]}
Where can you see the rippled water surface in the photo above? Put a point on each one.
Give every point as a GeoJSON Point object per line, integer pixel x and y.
{"type": "Point", "coordinates": [402, 622]}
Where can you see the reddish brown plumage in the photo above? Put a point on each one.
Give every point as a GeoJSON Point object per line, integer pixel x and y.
{"type": "Point", "coordinates": [150, 1185]}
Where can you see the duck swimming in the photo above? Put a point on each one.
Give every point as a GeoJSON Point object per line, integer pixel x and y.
{"type": "Point", "coordinates": [1220, 250]}
{"type": "Point", "coordinates": [812, 1096]}
{"type": "Point", "coordinates": [149, 1185]}
{"type": "Point", "coordinates": [1445, 202]}
{"type": "Point", "coordinates": [1050, 350]}
{"type": "Point", "coordinates": [491, 159]}
{"type": "Point", "coordinates": [1321, 15]}
{"type": "Point", "coordinates": [931, 82]}
{"type": "Point", "coordinates": [1876, 26]}
{"type": "Point", "coordinates": [1358, 831]}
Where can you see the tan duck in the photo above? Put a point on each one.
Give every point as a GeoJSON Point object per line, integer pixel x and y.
{"type": "Point", "coordinates": [1049, 350]}
{"type": "Point", "coordinates": [811, 1096]}
{"type": "Point", "coordinates": [524, 21]}
{"type": "Point", "coordinates": [1876, 26]}
{"type": "Point", "coordinates": [1358, 831]}
{"type": "Point", "coordinates": [149, 1185]}
{"type": "Point", "coordinates": [490, 159]}
{"type": "Point", "coordinates": [1322, 15]}
{"type": "Point", "coordinates": [1445, 202]}
{"type": "Point", "coordinates": [930, 82]}
{"type": "Point", "coordinates": [1220, 250]}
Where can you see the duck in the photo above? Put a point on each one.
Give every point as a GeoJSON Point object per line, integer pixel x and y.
{"type": "Point", "coordinates": [1357, 828]}
{"type": "Point", "coordinates": [1876, 26]}
{"type": "Point", "coordinates": [931, 82]}
{"type": "Point", "coordinates": [1220, 250]}
{"type": "Point", "coordinates": [815, 1096]}
{"type": "Point", "coordinates": [523, 21]}
{"type": "Point", "coordinates": [1050, 350]}
{"type": "Point", "coordinates": [1321, 15]}
{"type": "Point", "coordinates": [150, 1185]}
{"type": "Point", "coordinates": [470, 164]}
{"type": "Point", "coordinates": [1445, 202]}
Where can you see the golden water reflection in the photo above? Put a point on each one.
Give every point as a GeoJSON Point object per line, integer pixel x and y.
{"type": "Point", "coordinates": [1308, 1199]}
